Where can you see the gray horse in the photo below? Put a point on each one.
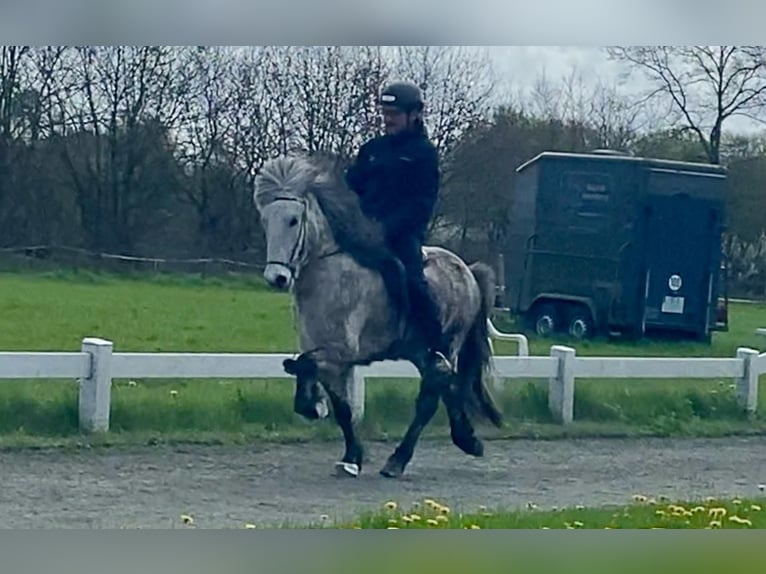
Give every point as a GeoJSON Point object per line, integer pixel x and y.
{"type": "Point", "coordinates": [351, 310]}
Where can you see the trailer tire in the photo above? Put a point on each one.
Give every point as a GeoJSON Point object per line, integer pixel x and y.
{"type": "Point", "coordinates": [580, 323]}
{"type": "Point", "coordinates": [545, 319]}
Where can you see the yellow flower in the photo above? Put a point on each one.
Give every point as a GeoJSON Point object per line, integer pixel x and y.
{"type": "Point", "coordinates": [739, 520]}
{"type": "Point", "coordinates": [324, 517]}
{"type": "Point", "coordinates": [639, 498]}
{"type": "Point", "coordinates": [659, 512]}
{"type": "Point", "coordinates": [392, 521]}
{"type": "Point", "coordinates": [406, 519]}
{"type": "Point", "coordinates": [697, 509]}
{"type": "Point", "coordinates": [414, 517]}
{"type": "Point", "coordinates": [444, 510]}
{"type": "Point", "coordinates": [187, 519]}
{"type": "Point", "coordinates": [392, 528]}
{"type": "Point", "coordinates": [475, 527]}
{"type": "Point", "coordinates": [432, 522]}
{"type": "Point", "coordinates": [442, 518]}
{"type": "Point", "coordinates": [580, 507]}
{"type": "Point", "coordinates": [715, 524]}
{"type": "Point", "coordinates": [390, 505]}
{"type": "Point", "coordinates": [736, 501]}
{"type": "Point", "coordinates": [249, 526]}
{"type": "Point", "coordinates": [431, 503]}
{"type": "Point", "coordinates": [578, 524]}
{"type": "Point", "coordinates": [710, 499]}
{"type": "Point", "coordinates": [174, 393]}
{"type": "Point", "coordinates": [755, 507]}
{"type": "Point", "coordinates": [719, 512]}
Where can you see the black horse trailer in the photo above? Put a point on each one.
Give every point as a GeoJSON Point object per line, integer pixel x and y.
{"type": "Point", "coordinates": [605, 242]}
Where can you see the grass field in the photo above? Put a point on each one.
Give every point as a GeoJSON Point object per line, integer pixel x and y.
{"type": "Point", "coordinates": [53, 311]}
{"type": "Point", "coordinates": [641, 511]}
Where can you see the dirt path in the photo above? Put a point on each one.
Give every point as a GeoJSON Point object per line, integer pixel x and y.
{"type": "Point", "coordinates": [268, 484]}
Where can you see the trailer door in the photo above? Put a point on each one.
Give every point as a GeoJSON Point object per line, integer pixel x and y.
{"type": "Point", "coordinates": [681, 233]}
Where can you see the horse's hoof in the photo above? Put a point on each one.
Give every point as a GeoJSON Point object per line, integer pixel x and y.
{"type": "Point", "coordinates": [346, 469]}
{"type": "Point", "coordinates": [471, 445]}
{"type": "Point", "coordinates": [393, 469]}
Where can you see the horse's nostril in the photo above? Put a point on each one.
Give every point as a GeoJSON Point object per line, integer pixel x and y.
{"type": "Point", "coordinates": [281, 281]}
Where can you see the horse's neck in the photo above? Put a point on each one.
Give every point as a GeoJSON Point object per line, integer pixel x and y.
{"type": "Point", "coordinates": [320, 237]}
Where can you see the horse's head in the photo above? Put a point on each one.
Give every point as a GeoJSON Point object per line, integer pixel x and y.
{"type": "Point", "coordinates": [283, 202]}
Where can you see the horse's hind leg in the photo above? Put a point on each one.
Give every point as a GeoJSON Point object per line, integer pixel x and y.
{"type": "Point", "coordinates": [461, 429]}
{"type": "Point", "coordinates": [426, 404]}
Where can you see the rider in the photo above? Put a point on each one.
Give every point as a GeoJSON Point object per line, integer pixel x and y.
{"type": "Point", "coordinates": [396, 176]}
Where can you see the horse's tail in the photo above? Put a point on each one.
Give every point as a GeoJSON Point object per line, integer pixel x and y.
{"type": "Point", "coordinates": [474, 360]}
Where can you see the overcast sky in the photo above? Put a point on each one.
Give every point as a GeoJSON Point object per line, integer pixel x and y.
{"type": "Point", "coordinates": [521, 65]}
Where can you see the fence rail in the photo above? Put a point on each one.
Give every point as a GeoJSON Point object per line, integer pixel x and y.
{"type": "Point", "coordinates": [96, 365]}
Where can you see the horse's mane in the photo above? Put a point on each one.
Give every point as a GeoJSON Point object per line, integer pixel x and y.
{"type": "Point", "coordinates": [300, 177]}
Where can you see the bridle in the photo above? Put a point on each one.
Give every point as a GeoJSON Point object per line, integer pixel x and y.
{"type": "Point", "coordinates": [300, 243]}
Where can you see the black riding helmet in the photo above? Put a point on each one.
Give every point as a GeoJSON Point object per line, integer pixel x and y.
{"type": "Point", "coordinates": [404, 95]}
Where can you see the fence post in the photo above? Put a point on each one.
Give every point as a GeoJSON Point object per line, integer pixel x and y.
{"type": "Point", "coordinates": [747, 385]}
{"type": "Point", "coordinates": [355, 390]}
{"type": "Point", "coordinates": [561, 387]}
{"type": "Point", "coordinates": [96, 388]}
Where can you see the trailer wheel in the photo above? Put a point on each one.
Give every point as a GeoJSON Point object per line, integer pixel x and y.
{"type": "Point", "coordinates": [545, 320]}
{"type": "Point", "coordinates": [580, 323]}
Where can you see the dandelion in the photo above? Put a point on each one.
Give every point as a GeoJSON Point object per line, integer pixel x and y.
{"type": "Point", "coordinates": [432, 522]}
{"type": "Point", "coordinates": [392, 528]}
{"type": "Point", "coordinates": [578, 524]}
{"type": "Point", "coordinates": [475, 527]}
{"type": "Point", "coordinates": [442, 518]}
{"type": "Point", "coordinates": [390, 505]}
{"type": "Point", "coordinates": [762, 487]}
{"type": "Point", "coordinates": [187, 519]}
{"type": "Point", "coordinates": [736, 502]}
{"type": "Point", "coordinates": [714, 524]}
{"type": "Point", "coordinates": [580, 507]}
{"type": "Point", "coordinates": [736, 519]}
{"type": "Point", "coordinates": [639, 498]}
{"type": "Point", "coordinates": [249, 526]}
{"type": "Point", "coordinates": [392, 521]}
{"type": "Point", "coordinates": [414, 517]}
{"type": "Point", "coordinates": [444, 510]}
{"type": "Point", "coordinates": [697, 509]}
{"type": "Point", "coordinates": [174, 393]}
{"type": "Point", "coordinates": [429, 502]}
{"type": "Point", "coordinates": [406, 519]}
{"type": "Point", "coordinates": [719, 512]}
{"type": "Point", "coordinates": [132, 383]}
{"type": "Point", "coordinates": [755, 507]}
{"type": "Point", "coordinates": [324, 518]}
{"type": "Point", "coordinates": [659, 512]}
{"type": "Point", "coordinates": [710, 499]}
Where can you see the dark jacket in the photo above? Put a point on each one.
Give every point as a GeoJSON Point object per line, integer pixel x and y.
{"type": "Point", "coordinates": [397, 180]}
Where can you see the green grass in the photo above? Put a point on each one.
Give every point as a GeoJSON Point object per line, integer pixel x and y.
{"type": "Point", "coordinates": [641, 512]}
{"type": "Point", "coordinates": [53, 311]}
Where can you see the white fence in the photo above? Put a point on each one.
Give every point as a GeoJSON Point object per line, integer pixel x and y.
{"type": "Point", "coordinates": [95, 365]}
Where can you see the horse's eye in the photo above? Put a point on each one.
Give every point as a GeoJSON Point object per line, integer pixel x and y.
{"type": "Point", "coordinates": [293, 222]}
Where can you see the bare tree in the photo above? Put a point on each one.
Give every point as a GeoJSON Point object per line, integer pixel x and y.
{"type": "Point", "coordinates": [703, 85]}
{"type": "Point", "coordinates": [457, 82]}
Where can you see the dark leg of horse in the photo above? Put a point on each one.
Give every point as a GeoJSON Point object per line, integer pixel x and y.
{"type": "Point", "coordinates": [461, 429]}
{"type": "Point", "coordinates": [354, 454]}
{"type": "Point", "coordinates": [426, 404]}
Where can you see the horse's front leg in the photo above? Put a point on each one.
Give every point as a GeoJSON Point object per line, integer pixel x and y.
{"type": "Point", "coordinates": [333, 370]}
{"type": "Point", "coordinates": [353, 458]}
